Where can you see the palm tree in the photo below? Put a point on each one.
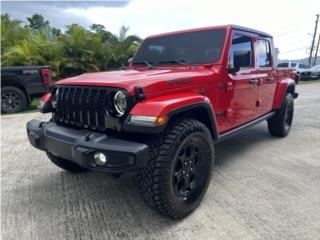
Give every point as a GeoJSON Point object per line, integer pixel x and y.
{"type": "Point", "coordinates": [123, 47]}
{"type": "Point", "coordinates": [12, 32]}
{"type": "Point", "coordinates": [73, 52]}
{"type": "Point", "coordinates": [83, 51]}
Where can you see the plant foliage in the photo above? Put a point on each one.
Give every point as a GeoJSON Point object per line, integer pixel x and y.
{"type": "Point", "coordinates": [72, 52]}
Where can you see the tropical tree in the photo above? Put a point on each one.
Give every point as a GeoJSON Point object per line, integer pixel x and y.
{"type": "Point", "coordinates": [12, 32]}
{"type": "Point", "coordinates": [56, 31]}
{"type": "Point", "coordinates": [37, 22]}
{"type": "Point", "coordinates": [123, 47]}
{"type": "Point", "coordinates": [98, 28]}
{"type": "Point", "coordinates": [75, 51]}
{"type": "Point", "coordinates": [83, 51]}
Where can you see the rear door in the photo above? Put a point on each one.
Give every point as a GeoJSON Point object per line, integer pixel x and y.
{"type": "Point", "coordinates": [266, 76]}
{"type": "Point", "coordinates": [241, 85]}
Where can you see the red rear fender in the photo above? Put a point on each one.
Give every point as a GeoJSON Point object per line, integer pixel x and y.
{"type": "Point", "coordinates": [281, 90]}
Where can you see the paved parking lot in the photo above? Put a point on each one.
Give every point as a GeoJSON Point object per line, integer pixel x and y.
{"type": "Point", "coordinates": [262, 188]}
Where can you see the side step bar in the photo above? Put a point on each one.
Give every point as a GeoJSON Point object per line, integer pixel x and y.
{"type": "Point", "coordinates": [235, 131]}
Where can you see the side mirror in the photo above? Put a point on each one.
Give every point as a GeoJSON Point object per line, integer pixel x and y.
{"type": "Point", "coordinates": [233, 69]}
{"type": "Point", "coordinates": [130, 60]}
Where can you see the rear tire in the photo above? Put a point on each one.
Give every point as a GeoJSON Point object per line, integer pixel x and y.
{"type": "Point", "coordinates": [280, 124]}
{"type": "Point", "coordinates": [65, 164]}
{"type": "Point", "coordinates": [13, 100]}
{"type": "Point", "coordinates": [179, 172]}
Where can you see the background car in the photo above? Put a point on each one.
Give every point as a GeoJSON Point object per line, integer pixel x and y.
{"type": "Point", "coordinates": [296, 66]}
{"type": "Point", "coordinates": [20, 84]}
{"type": "Point", "coordinates": [311, 74]}
{"type": "Point", "coordinates": [299, 67]}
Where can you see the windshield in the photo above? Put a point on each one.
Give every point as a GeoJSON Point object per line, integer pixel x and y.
{"type": "Point", "coordinates": [200, 47]}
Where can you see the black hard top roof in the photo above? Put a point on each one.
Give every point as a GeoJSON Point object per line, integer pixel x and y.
{"type": "Point", "coordinates": [245, 29]}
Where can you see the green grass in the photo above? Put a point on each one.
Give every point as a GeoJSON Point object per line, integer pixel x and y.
{"type": "Point", "coordinates": [309, 81]}
{"type": "Point", "coordinates": [33, 107]}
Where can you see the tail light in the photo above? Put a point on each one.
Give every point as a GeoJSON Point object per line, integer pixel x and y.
{"type": "Point", "coordinates": [46, 76]}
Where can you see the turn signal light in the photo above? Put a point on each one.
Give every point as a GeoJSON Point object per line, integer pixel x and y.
{"type": "Point", "coordinates": [148, 120]}
{"type": "Point", "coordinates": [161, 120]}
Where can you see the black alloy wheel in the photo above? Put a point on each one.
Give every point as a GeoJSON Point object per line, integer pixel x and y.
{"type": "Point", "coordinates": [12, 100]}
{"type": "Point", "coordinates": [179, 170]}
{"type": "Point", "coordinates": [188, 176]}
{"type": "Point", "coordinates": [280, 124]}
{"type": "Point", "coordinates": [288, 116]}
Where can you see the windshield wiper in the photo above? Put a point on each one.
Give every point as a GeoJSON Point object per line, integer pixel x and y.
{"type": "Point", "coordinates": [179, 61]}
{"type": "Point", "coordinates": [146, 63]}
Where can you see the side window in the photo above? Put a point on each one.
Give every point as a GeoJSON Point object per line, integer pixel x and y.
{"type": "Point", "coordinates": [264, 55]}
{"type": "Point", "coordinates": [241, 52]}
{"type": "Point", "coordinates": [283, 65]}
{"type": "Point", "coordinates": [304, 66]}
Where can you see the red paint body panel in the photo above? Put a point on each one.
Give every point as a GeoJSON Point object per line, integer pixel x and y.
{"type": "Point", "coordinates": [46, 98]}
{"type": "Point", "coordinates": [162, 106]}
{"type": "Point", "coordinates": [150, 80]}
{"type": "Point", "coordinates": [281, 90]}
{"type": "Point", "coordinates": [231, 95]}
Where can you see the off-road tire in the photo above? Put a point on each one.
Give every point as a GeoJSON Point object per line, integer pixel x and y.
{"type": "Point", "coordinates": [65, 164]}
{"type": "Point", "coordinates": [280, 124]}
{"type": "Point", "coordinates": [157, 182]}
{"type": "Point", "coordinates": [18, 100]}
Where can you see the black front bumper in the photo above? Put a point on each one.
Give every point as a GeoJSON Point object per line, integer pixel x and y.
{"type": "Point", "coordinates": [79, 147]}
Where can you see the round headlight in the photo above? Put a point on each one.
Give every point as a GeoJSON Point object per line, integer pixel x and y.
{"type": "Point", "coordinates": [120, 103]}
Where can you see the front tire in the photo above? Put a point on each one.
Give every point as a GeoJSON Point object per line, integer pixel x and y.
{"type": "Point", "coordinates": [280, 124]}
{"type": "Point", "coordinates": [65, 164]}
{"type": "Point", "coordinates": [179, 172]}
{"type": "Point", "coordinates": [13, 100]}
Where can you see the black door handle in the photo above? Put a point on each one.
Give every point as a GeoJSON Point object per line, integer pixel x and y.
{"type": "Point", "coordinates": [254, 81]}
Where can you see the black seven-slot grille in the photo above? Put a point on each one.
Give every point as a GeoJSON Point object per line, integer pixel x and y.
{"type": "Point", "coordinates": [86, 107]}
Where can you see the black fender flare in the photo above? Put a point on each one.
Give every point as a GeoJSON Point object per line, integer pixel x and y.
{"type": "Point", "coordinates": [211, 121]}
{"type": "Point", "coordinates": [205, 107]}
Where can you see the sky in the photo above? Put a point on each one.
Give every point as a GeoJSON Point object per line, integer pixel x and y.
{"type": "Point", "coordinates": [291, 22]}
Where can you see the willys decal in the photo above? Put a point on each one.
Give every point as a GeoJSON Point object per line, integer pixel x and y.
{"type": "Point", "coordinates": [179, 81]}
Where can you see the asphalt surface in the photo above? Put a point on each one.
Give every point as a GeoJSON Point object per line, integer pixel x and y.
{"type": "Point", "coordinates": [262, 188]}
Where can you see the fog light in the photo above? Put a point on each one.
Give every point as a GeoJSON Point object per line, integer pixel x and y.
{"type": "Point", "coordinates": [100, 159]}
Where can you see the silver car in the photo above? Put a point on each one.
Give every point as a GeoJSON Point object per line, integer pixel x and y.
{"type": "Point", "coordinates": [311, 74]}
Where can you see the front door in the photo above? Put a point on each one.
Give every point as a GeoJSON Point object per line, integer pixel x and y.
{"type": "Point", "coordinates": [242, 84]}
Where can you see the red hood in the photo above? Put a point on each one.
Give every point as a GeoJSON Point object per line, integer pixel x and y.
{"type": "Point", "coordinates": [151, 80]}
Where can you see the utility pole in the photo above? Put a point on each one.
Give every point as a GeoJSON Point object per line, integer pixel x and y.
{"type": "Point", "coordinates": [314, 37]}
{"type": "Point", "coordinates": [317, 49]}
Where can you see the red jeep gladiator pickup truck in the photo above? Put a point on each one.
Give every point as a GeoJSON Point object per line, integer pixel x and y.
{"type": "Point", "coordinates": [182, 92]}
